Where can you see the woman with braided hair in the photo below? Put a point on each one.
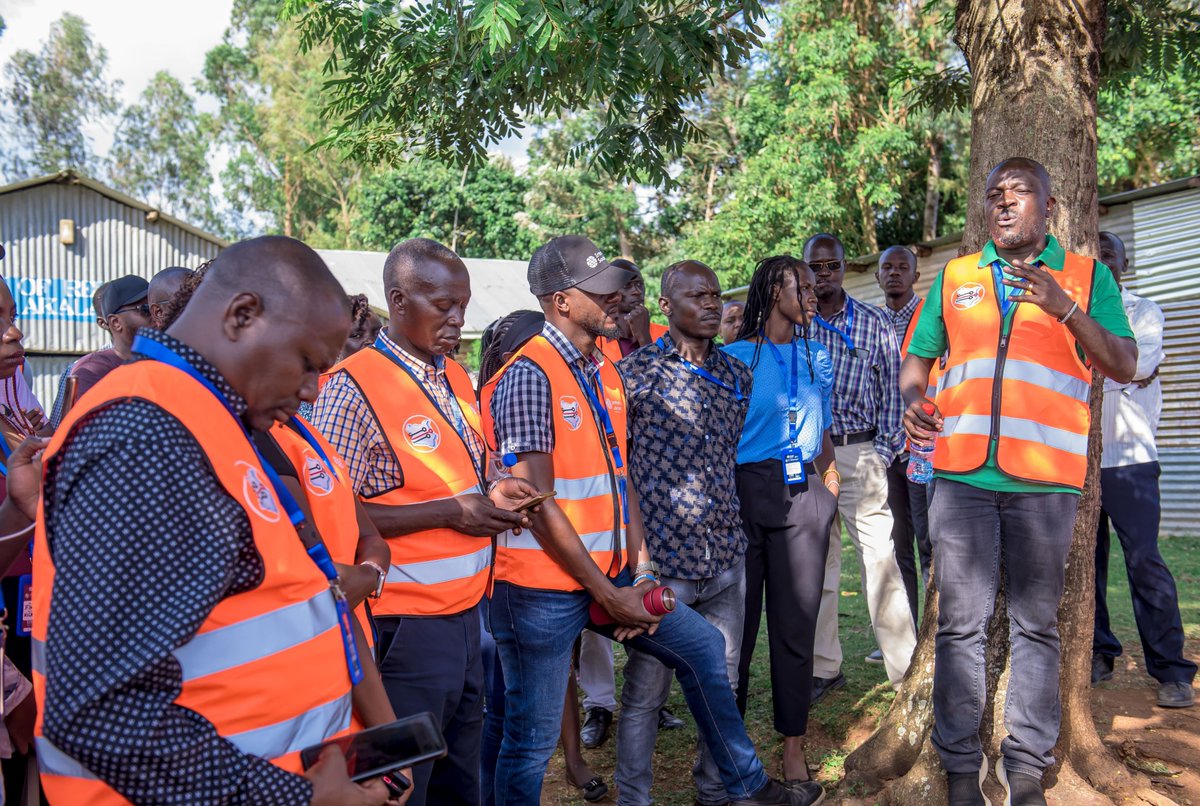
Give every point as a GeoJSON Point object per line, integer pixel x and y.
{"type": "Point", "coordinates": [787, 484]}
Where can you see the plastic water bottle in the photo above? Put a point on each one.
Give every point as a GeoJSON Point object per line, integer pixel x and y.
{"type": "Point", "coordinates": [920, 456]}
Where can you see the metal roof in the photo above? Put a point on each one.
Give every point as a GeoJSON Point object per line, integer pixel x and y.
{"type": "Point", "coordinates": [864, 262]}
{"type": "Point", "coordinates": [498, 287]}
{"type": "Point", "coordinates": [73, 178]}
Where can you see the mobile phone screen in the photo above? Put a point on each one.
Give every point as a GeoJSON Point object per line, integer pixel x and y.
{"type": "Point", "coordinates": [381, 749]}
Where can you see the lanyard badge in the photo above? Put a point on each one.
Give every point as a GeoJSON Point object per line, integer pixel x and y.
{"type": "Point", "coordinates": [791, 457]}
{"type": "Point", "coordinates": [317, 552]}
{"type": "Point", "coordinates": [844, 335]}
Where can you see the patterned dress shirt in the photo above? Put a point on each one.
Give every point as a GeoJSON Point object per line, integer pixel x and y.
{"type": "Point", "coordinates": [146, 542]}
{"type": "Point", "coordinates": [901, 318]}
{"type": "Point", "coordinates": [344, 417]}
{"type": "Point", "coordinates": [683, 441]}
{"type": "Point", "coordinates": [866, 384]}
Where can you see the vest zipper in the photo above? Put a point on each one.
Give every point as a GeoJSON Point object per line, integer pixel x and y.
{"type": "Point", "coordinates": [1001, 355]}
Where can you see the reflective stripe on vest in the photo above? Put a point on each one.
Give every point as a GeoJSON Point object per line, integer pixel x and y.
{"type": "Point", "coordinates": [584, 481]}
{"type": "Point", "coordinates": [1037, 420]}
{"type": "Point", "coordinates": [280, 636]}
{"type": "Point", "coordinates": [434, 572]}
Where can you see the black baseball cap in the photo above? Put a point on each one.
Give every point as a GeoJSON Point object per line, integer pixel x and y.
{"type": "Point", "coordinates": [116, 294]}
{"type": "Point", "coordinates": [572, 261]}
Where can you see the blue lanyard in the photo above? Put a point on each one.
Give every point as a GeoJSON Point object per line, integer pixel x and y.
{"type": "Point", "coordinates": [601, 410]}
{"type": "Point", "coordinates": [318, 553]}
{"type": "Point", "coordinates": [708, 376]}
{"type": "Point", "coordinates": [1003, 293]}
{"type": "Point", "coordinates": [793, 414]}
{"type": "Point", "coordinates": [7, 453]}
{"type": "Point", "coordinates": [844, 334]}
{"type": "Point", "coordinates": [455, 413]}
{"type": "Point", "coordinates": [301, 428]}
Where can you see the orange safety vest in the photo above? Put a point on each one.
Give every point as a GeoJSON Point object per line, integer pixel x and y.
{"type": "Point", "coordinates": [1026, 391]}
{"type": "Point", "coordinates": [282, 636]}
{"type": "Point", "coordinates": [585, 479]}
{"type": "Point", "coordinates": [612, 347]}
{"type": "Point", "coordinates": [935, 372]}
{"type": "Point", "coordinates": [435, 572]}
{"type": "Point", "coordinates": [330, 497]}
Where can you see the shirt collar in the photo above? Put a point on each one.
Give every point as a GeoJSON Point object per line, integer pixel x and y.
{"type": "Point", "coordinates": [439, 361]}
{"type": "Point", "coordinates": [670, 348]}
{"type": "Point", "coordinates": [906, 310]}
{"type": "Point", "coordinates": [1053, 256]}
{"type": "Point", "coordinates": [198, 363]}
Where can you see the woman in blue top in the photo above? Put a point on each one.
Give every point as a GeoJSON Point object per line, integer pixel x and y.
{"type": "Point", "coordinates": [787, 484]}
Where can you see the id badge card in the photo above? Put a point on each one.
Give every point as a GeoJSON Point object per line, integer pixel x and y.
{"type": "Point", "coordinates": [793, 466]}
{"type": "Point", "coordinates": [25, 597]}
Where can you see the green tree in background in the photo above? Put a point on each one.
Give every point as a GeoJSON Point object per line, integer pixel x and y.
{"type": "Point", "coordinates": [160, 152]}
{"type": "Point", "coordinates": [1149, 130]}
{"type": "Point", "coordinates": [476, 212]}
{"type": "Point", "coordinates": [50, 96]}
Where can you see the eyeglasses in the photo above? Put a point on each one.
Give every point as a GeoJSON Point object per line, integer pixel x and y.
{"type": "Point", "coordinates": [832, 267]}
{"type": "Point", "coordinates": [142, 308]}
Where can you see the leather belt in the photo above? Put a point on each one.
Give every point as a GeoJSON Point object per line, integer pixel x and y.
{"type": "Point", "coordinates": [855, 438]}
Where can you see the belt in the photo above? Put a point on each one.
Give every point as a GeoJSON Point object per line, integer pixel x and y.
{"type": "Point", "coordinates": [855, 438]}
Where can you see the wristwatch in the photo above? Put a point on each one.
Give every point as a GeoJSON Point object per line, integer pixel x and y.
{"type": "Point", "coordinates": [374, 566]}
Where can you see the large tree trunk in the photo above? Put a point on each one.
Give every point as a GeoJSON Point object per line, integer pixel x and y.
{"type": "Point", "coordinates": [1034, 67]}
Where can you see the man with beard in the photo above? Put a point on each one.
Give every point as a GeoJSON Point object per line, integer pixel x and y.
{"type": "Point", "coordinates": [867, 437]}
{"type": "Point", "coordinates": [1025, 323]}
{"type": "Point", "coordinates": [633, 319]}
{"type": "Point", "coordinates": [556, 412]}
{"type": "Point", "coordinates": [405, 419]}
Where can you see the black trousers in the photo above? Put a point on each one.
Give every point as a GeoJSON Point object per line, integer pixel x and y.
{"type": "Point", "coordinates": [1129, 500]}
{"type": "Point", "coordinates": [435, 664]}
{"type": "Point", "coordinates": [788, 531]}
{"type": "Point", "coordinates": [909, 503]}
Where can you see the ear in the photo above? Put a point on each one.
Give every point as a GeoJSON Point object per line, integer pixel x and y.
{"type": "Point", "coordinates": [102, 322]}
{"type": "Point", "coordinates": [562, 303]}
{"type": "Point", "coordinates": [113, 324]}
{"type": "Point", "coordinates": [395, 300]}
{"type": "Point", "coordinates": [1051, 203]}
{"type": "Point", "coordinates": [664, 305]}
{"type": "Point", "coordinates": [242, 312]}
{"type": "Point", "coordinates": [916, 276]}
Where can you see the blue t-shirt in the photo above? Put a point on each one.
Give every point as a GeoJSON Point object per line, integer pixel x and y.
{"type": "Point", "coordinates": [765, 434]}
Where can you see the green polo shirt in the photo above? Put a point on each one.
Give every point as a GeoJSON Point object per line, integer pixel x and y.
{"type": "Point", "coordinates": [930, 341]}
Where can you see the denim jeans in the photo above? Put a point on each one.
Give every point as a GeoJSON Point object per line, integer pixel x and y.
{"type": "Point", "coordinates": [493, 717]}
{"type": "Point", "coordinates": [973, 532]}
{"type": "Point", "coordinates": [721, 600]}
{"type": "Point", "coordinates": [535, 631]}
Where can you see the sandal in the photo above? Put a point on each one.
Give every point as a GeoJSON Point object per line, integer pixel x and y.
{"type": "Point", "coordinates": [595, 790]}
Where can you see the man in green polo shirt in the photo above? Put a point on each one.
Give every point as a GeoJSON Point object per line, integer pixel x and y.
{"type": "Point", "coordinates": [1021, 324]}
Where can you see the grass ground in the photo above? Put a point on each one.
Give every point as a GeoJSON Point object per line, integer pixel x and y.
{"type": "Point", "coordinates": [846, 717]}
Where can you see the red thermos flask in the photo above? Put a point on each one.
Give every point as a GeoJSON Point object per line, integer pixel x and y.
{"type": "Point", "coordinates": [658, 601]}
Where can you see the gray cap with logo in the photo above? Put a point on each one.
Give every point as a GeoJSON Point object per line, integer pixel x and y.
{"type": "Point", "coordinates": [572, 261]}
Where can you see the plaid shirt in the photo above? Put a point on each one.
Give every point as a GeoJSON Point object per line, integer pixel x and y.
{"type": "Point", "coordinates": [345, 418]}
{"type": "Point", "coordinates": [521, 410]}
{"type": "Point", "coordinates": [866, 387]}
{"type": "Point", "coordinates": [901, 318]}
{"type": "Point", "coordinates": [683, 442]}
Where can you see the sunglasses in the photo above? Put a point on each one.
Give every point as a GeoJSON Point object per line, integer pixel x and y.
{"type": "Point", "coordinates": [142, 308]}
{"type": "Point", "coordinates": [831, 267]}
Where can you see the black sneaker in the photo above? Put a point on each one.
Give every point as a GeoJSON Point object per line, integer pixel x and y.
{"type": "Point", "coordinates": [595, 728]}
{"type": "Point", "coordinates": [1176, 695]}
{"type": "Point", "coordinates": [823, 685]}
{"type": "Point", "coordinates": [776, 794]}
{"type": "Point", "coordinates": [1102, 668]}
{"type": "Point", "coordinates": [1022, 788]}
{"type": "Point", "coordinates": [966, 788]}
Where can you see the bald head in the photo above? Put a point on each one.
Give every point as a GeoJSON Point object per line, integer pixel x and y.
{"type": "Point", "coordinates": [1112, 254]}
{"type": "Point", "coordinates": [676, 271]}
{"type": "Point", "coordinates": [428, 289]}
{"type": "Point", "coordinates": [691, 300]}
{"type": "Point", "coordinates": [161, 293]}
{"type": "Point", "coordinates": [415, 260]}
{"type": "Point", "coordinates": [1033, 167]}
{"type": "Point", "coordinates": [270, 317]}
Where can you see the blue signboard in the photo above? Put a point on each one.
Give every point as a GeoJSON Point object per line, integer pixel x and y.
{"type": "Point", "coordinates": [52, 298]}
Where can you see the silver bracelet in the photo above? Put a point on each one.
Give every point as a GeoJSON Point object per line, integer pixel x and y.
{"type": "Point", "coordinates": [1070, 313]}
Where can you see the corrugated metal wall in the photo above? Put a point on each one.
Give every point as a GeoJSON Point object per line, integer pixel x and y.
{"type": "Point", "coordinates": [53, 283]}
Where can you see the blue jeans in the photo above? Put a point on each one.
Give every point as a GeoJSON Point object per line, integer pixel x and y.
{"type": "Point", "coordinates": [493, 717]}
{"type": "Point", "coordinates": [973, 532]}
{"type": "Point", "coordinates": [721, 600]}
{"type": "Point", "coordinates": [535, 631]}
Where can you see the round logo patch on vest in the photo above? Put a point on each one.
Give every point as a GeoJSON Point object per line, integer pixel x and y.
{"type": "Point", "coordinates": [256, 492]}
{"type": "Point", "coordinates": [317, 478]}
{"type": "Point", "coordinates": [967, 295]}
{"type": "Point", "coordinates": [422, 434]}
{"type": "Point", "coordinates": [570, 412]}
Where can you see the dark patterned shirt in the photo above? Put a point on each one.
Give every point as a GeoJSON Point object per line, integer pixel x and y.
{"type": "Point", "coordinates": [145, 543]}
{"type": "Point", "coordinates": [683, 440]}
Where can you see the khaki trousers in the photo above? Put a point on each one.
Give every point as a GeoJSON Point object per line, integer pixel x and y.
{"type": "Point", "coordinates": [863, 507]}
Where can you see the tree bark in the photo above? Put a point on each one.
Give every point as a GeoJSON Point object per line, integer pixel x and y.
{"type": "Point", "coordinates": [1035, 72]}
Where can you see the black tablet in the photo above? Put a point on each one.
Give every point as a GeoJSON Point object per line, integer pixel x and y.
{"type": "Point", "coordinates": [375, 751]}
